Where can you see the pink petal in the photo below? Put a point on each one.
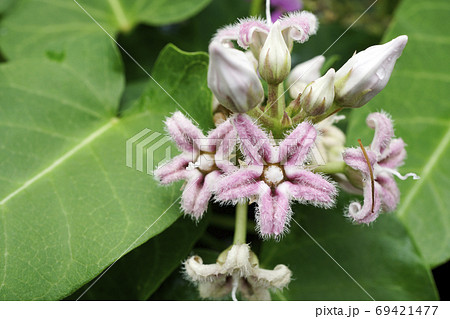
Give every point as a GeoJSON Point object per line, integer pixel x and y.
{"type": "Point", "coordinates": [295, 147]}
{"type": "Point", "coordinates": [240, 184]}
{"type": "Point", "coordinates": [396, 154]}
{"type": "Point", "coordinates": [384, 131]}
{"type": "Point", "coordinates": [298, 26]}
{"type": "Point", "coordinates": [196, 195]}
{"type": "Point", "coordinates": [252, 30]}
{"type": "Point", "coordinates": [255, 143]}
{"type": "Point", "coordinates": [390, 194]}
{"type": "Point", "coordinates": [227, 34]}
{"type": "Point", "coordinates": [174, 170]}
{"type": "Point", "coordinates": [274, 211]}
{"type": "Point", "coordinates": [364, 214]}
{"type": "Point", "coordinates": [183, 132]}
{"type": "Point", "coordinates": [354, 158]}
{"type": "Point", "coordinates": [226, 137]}
{"type": "Point", "coordinates": [308, 187]}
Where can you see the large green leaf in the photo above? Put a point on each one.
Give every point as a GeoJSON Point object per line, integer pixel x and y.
{"type": "Point", "coordinates": [417, 97]}
{"type": "Point", "coordinates": [69, 206]}
{"type": "Point", "coordinates": [382, 259]}
{"type": "Point", "coordinates": [33, 27]}
{"type": "Point", "coordinates": [137, 275]}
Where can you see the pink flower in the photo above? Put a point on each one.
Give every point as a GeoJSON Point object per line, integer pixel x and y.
{"type": "Point", "coordinates": [275, 175]}
{"type": "Point", "coordinates": [202, 162]}
{"type": "Point", "coordinates": [385, 155]}
{"type": "Point", "coordinates": [252, 32]}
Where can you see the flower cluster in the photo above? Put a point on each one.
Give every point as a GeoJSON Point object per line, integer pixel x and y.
{"type": "Point", "coordinates": [283, 153]}
{"type": "Point", "coordinates": [236, 269]}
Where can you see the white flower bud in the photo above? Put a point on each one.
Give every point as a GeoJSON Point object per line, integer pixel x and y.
{"type": "Point", "coordinates": [233, 79]}
{"type": "Point", "coordinates": [365, 74]}
{"type": "Point", "coordinates": [318, 96]}
{"type": "Point", "coordinates": [274, 58]}
{"type": "Point", "coordinates": [303, 74]}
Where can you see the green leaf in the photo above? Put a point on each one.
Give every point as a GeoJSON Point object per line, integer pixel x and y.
{"type": "Point", "coordinates": [69, 205]}
{"type": "Point", "coordinates": [417, 97]}
{"type": "Point", "coordinates": [33, 27]}
{"type": "Point", "coordinates": [179, 75]}
{"type": "Point", "coordinates": [4, 5]}
{"type": "Point", "coordinates": [137, 275]}
{"type": "Point", "coordinates": [382, 259]}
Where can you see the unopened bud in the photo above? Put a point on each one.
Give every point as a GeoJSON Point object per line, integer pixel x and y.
{"type": "Point", "coordinates": [303, 74]}
{"type": "Point", "coordinates": [233, 79]}
{"type": "Point", "coordinates": [365, 74]}
{"type": "Point", "coordinates": [318, 96]}
{"type": "Point", "coordinates": [286, 121]}
{"type": "Point", "coordinates": [274, 58]}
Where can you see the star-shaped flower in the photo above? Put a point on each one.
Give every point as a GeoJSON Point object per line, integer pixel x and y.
{"type": "Point", "coordinates": [202, 162]}
{"type": "Point", "coordinates": [275, 175]}
{"type": "Point", "coordinates": [237, 269]}
{"type": "Point", "coordinates": [252, 32]}
{"type": "Point", "coordinates": [385, 155]}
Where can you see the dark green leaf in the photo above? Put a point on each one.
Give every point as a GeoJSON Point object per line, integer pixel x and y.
{"type": "Point", "coordinates": [34, 27]}
{"type": "Point", "coordinates": [69, 206]}
{"type": "Point", "coordinates": [138, 274]}
{"type": "Point", "coordinates": [381, 258]}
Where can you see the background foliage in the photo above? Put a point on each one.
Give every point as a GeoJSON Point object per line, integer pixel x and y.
{"type": "Point", "coordinates": [70, 207]}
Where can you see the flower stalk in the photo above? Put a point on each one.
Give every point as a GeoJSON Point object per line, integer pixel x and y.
{"type": "Point", "coordinates": [240, 229]}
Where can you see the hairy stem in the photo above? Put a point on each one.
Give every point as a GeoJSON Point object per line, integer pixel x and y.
{"type": "Point", "coordinates": [240, 230]}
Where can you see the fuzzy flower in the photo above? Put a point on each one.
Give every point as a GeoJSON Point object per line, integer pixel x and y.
{"type": "Point", "coordinates": [252, 32]}
{"type": "Point", "coordinates": [385, 155]}
{"type": "Point", "coordinates": [275, 175]}
{"type": "Point", "coordinates": [202, 162]}
{"type": "Point", "coordinates": [237, 269]}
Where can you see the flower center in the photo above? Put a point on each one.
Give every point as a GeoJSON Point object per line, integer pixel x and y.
{"type": "Point", "coordinates": [205, 163]}
{"type": "Point", "coordinates": [273, 175]}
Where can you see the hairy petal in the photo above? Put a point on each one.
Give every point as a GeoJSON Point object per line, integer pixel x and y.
{"type": "Point", "coordinates": [225, 136]}
{"type": "Point", "coordinates": [227, 34]}
{"type": "Point", "coordinates": [384, 131]}
{"type": "Point", "coordinates": [390, 194]}
{"type": "Point", "coordinates": [364, 214]}
{"type": "Point", "coordinates": [183, 132]}
{"type": "Point", "coordinates": [240, 184]}
{"type": "Point", "coordinates": [355, 158]}
{"type": "Point", "coordinates": [255, 143]}
{"type": "Point", "coordinates": [309, 187]}
{"type": "Point", "coordinates": [274, 211]}
{"type": "Point", "coordinates": [174, 170]}
{"type": "Point", "coordinates": [396, 154]}
{"type": "Point", "coordinates": [298, 26]}
{"type": "Point", "coordinates": [252, 31]}
{"type": "Point", "coordinates": [295, 147]}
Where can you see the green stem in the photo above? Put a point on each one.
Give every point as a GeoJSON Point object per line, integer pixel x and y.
{"type": "Point", "coordinates": [281, 100]}
{"type": "Point", "coordinates": [124, 24]}
{"type": "Point", "coordinates": [227, 222]}
{"type": "Point", "coordinates": [255, 8]}
{"type": "Point", "coordinates": [331, 168]}
{"type": "Point", "coordinates": [272, 100]}
{"type": "Point", "coordinates": [240, 230]}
